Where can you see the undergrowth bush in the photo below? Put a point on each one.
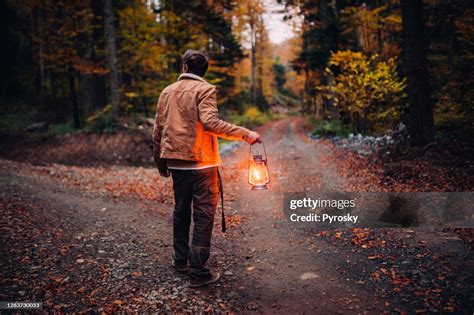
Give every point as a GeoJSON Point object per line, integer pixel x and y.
{"type": "Point", "coordinates": [251, 118]}
{"type": "Point", "coordinates": [329, 128]}
{"type": "Point", "coordinates": [102, 121]}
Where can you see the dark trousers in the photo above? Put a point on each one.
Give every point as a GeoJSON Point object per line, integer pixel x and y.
{"type": "Point", "coordinates": [197, 190]}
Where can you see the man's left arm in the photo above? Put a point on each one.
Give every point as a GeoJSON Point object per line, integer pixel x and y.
{"type": "Point", "coordinates": [209, 116]}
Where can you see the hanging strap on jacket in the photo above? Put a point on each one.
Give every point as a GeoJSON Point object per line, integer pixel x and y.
{"type": "Point", "coordinates": [221, 192]}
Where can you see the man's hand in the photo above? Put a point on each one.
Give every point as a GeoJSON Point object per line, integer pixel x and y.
{"type": "Point", "coordinates": [164, 171]}
{"type": "Point", "coordinates": [162, 167]}
{"type": "Point", "coordinates": [253, 137]}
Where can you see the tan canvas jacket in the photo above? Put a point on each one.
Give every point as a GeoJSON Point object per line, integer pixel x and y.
{"type": "Point", "coordinates": [187, 123]}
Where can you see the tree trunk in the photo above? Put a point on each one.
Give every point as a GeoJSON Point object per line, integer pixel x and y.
{"type": "Point", "coordinates": [112, 56]}
{"type": "Point", "coordinates": [260, 51]}
{"type": "Point", "coordinates": [41, 70]}
{"type": "Point", "coordinates": [307, 89]}
{"type": "Point", "coordinates": [98, 81]}
{"type": "Point", "coordinates": [453, 47]}
{"type": "Point", "coordinates": [37, 24]}
{"type": "Point", "coordinates": [421, 125]}
{"type": "Point", "coordinates": [253, 43]}
{"type": "Point", "coordinates": [86, 93]}
{"type": "Point", "coordinates": [86, 46]}
{"type": "Point", "coordinates": [54, 90]}
{"type": "Point", "coordinates": [85, 77]}
{"type": "Point", "coordinates": [73, 94]}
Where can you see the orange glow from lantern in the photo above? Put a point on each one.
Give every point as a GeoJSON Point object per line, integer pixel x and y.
{"type": "Point", "coordinates": [258, 173]}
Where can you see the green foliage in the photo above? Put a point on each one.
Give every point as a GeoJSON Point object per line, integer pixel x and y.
{"type": "Point", "coordinates": [60, 51]}
{"type": "Point", "coordinates": [56, 56]}
{"type": "Point", "coordinates": [451, 61]}
{"type": "Point", "coordinates": [262, 103]}
{"type": "Point", "coordinates": [372, 28]}
{"type": "Point", "coordinates": [61, 129]}
{"type": "Point", "coordinates": [452, 118]}
{"type": "Point", "coordinates": [12, 121]}
{"type": "Point", "coordinates": [142, 58]}
{"type": "Point", "coordinates": [287, 98]}
{"type": "Point", "coordinates": [253, 113]}
{"type": "Point", "coordinates": [364, 89]}
{"type": "Point", "coordinates": [279, 71]}
{"type": "Point", "coordinates": [329, 128]}
{"type": "Point", "coordinates": [199, 25]}
{"type": "Point", "coordinates": [320, 35]}
{"type": "Point", "coordinates": [282, 95]}
{"type": "Point", "coordinates": [102, 121]}
{"type": "Point", "coordinates": [241, 101]}
{"type": "Point", "coordinates": [251, 118]}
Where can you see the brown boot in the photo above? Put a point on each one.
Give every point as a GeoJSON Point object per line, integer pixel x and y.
{"type": "Point", "coordinates": [180, 267]}
{"type": "Point", "coordinates": [200, 281]}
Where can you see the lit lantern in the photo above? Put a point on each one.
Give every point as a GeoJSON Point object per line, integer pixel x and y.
{"type": "Point", "coordinates": [259, 176]}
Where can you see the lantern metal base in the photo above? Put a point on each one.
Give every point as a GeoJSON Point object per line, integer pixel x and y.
{"type": "Point", "coordinates": [259, 187]}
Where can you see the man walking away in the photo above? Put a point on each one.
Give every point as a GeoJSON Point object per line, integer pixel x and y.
{"type": "Point", "coordinates": [185, 144]}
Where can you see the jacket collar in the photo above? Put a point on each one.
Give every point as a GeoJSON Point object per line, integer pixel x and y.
{"type": "Point", "coordinates": [192, 76]}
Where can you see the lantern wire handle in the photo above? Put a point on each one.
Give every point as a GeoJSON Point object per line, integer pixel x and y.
{"type": "Point", "coordinates": [264, 151]}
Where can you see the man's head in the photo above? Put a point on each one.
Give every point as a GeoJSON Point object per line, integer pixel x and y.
{"type": "Point", "coordinates": [195, 62]}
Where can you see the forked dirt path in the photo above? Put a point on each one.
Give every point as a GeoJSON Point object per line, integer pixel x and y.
{"type": "Point", "coordinates": [98, 239]}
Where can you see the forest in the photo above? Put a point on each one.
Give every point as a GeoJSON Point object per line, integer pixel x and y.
{"type": "Point", "coordinates": [364, 66]}
{"type": "Point", "coordinates": [354, 100]}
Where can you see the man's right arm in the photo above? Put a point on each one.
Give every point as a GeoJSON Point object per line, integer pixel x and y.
{"type": "Point", "coordinates": [157, 133]}
{"type": "Point", "coordinates": [209, 116]}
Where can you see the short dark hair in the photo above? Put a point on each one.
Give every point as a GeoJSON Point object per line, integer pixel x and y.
{"type": "Point", "coordinates": [196, 61]}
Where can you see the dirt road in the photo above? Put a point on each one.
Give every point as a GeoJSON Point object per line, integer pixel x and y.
{"type": "Point", "coordinates": [78, 238]}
